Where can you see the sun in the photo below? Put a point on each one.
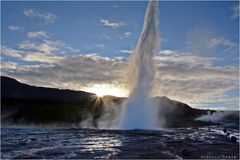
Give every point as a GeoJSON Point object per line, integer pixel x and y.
{"type": "Point", "coordinates": [106, 89]}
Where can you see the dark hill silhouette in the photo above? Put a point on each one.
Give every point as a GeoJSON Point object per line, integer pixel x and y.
{"type": "Point", "coordinates": [11, 88]}
{"type": "Point", "coordinates": [22, 103]}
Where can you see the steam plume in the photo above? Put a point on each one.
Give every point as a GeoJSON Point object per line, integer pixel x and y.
{"type": "Point", "coordinates": [138, 110]}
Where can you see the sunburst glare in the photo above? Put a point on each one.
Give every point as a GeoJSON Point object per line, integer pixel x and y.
{"type": "Point", "coordinates": [107, 89]}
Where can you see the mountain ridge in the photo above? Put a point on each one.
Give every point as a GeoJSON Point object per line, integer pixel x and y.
{"type": "Point", "coordinates": [11, 88]}
{"type": "Point", "coordinates": [22, 103]}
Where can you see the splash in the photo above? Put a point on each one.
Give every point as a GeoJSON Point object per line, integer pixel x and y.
{"type": "Point", "coordinates": [138, 111]}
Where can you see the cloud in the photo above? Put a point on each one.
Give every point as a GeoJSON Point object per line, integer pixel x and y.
{"type": "Point", "coordinates": [194, 91]}
{"type": "Point", "coordinates": [10, 52]}
{"type": "Point", "coordinates": [42, 57]}
{"type": "Point", "coordinates": [27, 45]}
{"type": "Point", "coordinates": [125, 51]}
{"type": "Point", "coordinates": [181, 76]}
{"type": "Point", "coordinates": [220, 41]}
{"type": "Point", "coordinates": [170, 57]}
{"type": "Point", "coordinates": [37, 34]}
{"type": "Point", "coordinates": [166, 52]}
{"type": "Point", "coordinates": [193, 79]}
{"type": "Point", "coordinates": [125, 35]}
{"type": "Point", "coordinates": [100, 45]}
{"type": "Point", "coordinates": [184, 65]}
{"type": "Point", "coordinates": [8, 65]}
{"type": "Point", "coordinates": [163, 39]}
{"type": "Point", "coordinates": [72, 72]}
{"type": "Point", "coordinates": [104, 37]}
{"type": "Point", "coordinates": [198, 37]}
{"type": "Point", "coordinates": [48, 17]}
{"type": "Point", "coordinates": [43, 51]}
{"type": "Point", "coordinates": [47, 46]}
{"type": "Point", "coordinates": [111, 23]}
{"type": "Point", "coordinates": [235, 11]}
{"type": "Point", "coordinates": [204, 40]}
{"type": "Point", "coordinates": [15, 28]}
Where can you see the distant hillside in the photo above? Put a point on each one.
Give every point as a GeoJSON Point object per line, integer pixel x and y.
{"type": "Point", "coordinates": [11, 88]}
{"type": "Point", "coordinates": [22, 103]}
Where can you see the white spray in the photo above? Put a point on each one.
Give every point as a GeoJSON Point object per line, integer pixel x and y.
{"type": "Point", "coordinates": [138, 111]}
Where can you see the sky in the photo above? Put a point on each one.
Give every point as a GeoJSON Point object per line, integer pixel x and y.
{"type": "Point", "coordinates": [78, 44]}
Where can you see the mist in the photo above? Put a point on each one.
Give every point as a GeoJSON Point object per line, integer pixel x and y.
{"type": "Point", "coordinates": [214, 117]}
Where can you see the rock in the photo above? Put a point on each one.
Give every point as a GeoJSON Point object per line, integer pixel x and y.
{"type": "Point", "coordinates": [233, 139]}
{"type": "Point", "coordinates": [228, 133]}
{"type": "Point", "coordinates": [224, 130]}
{"type": "Point", "coordinates": [33, 139]}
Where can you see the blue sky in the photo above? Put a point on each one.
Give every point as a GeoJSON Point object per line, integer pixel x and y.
{"type": "Point", "coordinates": [196, 38]}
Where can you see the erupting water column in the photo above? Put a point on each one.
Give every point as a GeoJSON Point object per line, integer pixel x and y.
{"type": "Point", "coordinates": [138, 111]}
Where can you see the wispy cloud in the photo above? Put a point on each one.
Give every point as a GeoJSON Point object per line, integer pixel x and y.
{"type": "Point", "coordinates": [42, 57]}
{"type": "Point", "coordinates": [111, 23]}
{"type": "Point", "coordinates": [125, 35]}
{"type": "Point", "coordinates": [235, 11]}
{"type": "Point", "coordinates": [10, 52]}
{"type": "Point", "coordinates": [163, 39]}
{"type": "Point", "coordinates": [34, 53]}
{"type": "Point", "coordinates": [204, 40]}
{"type": "Point", "coordinates": [181, 76]}
{"type": "Point", "coordinates": [8, 65]}
{"type": "Point", "coordinates": [100, 45]}
{"type": "Point", "coordinates": [16, 28]}
{"type": "Point", "coordinates": [48, 17]}
{"type": "Point", "coordinates": [46, 46]}
{"type": "Point", "coordinates": [68, 68]}
{"type": "Point", "coordinates": [166, 52]}
{"type": "Point", "coordinates": [193, 79]}
{"type": "Point", "coordinates": [37, 34]}
{"type": "Point", "coordinates": [104, 36]}
{"type": "Point", "coordinates": [43, 51]}
{"type": "Point", "coordinates": [221, 41]}
{"type": "Point", "coordinates": [125, 51]}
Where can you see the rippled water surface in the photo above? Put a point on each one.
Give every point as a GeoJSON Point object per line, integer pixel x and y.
{"type": "Point", "coordinates": [21, 143]}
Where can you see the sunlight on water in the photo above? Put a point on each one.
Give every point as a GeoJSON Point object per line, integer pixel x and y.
{"type": "Point", "coordinates": [102, 144]}
{"type": "Point", "coordinates": [42, 143]}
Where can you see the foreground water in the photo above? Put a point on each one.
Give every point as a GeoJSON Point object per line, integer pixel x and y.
{"type": "Point", "coordinates": [61, 143]}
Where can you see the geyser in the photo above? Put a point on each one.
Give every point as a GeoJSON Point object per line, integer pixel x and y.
{"type": "Point", "coordinates": [138, 111]}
